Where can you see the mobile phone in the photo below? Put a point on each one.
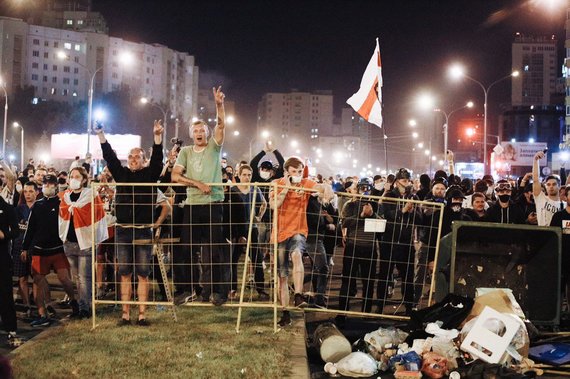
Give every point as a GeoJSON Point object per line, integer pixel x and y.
{"type": "Point", "coordinates": [545, 150]}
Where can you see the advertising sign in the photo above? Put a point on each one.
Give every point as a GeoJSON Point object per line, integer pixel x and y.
{"type": "Point", "coordinates": [521, 153]}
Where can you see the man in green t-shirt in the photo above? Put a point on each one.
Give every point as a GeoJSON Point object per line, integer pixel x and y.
{"type": "Point", "coordinates": [196, 166]}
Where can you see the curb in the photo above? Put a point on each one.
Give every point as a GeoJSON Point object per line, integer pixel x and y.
{"type": "Point", "coordinates": [298, 350]}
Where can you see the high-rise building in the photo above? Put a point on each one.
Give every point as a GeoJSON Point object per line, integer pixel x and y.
{"type": "Point", "coordinates": [565, 142]}
{"type": "Point", "coordinates": [30, 57]}
{"type": "Point", "coordinates": [302, 115]}
{"type": "Point", "coordinates": [536, 59]}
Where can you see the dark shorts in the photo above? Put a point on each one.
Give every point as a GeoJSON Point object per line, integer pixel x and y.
{"type": "Point", "coordinates": [132, 253]}
{"type": "Point", "coordinates": [44, 264]}
{"type": "Point", "coordinates": [21, 268]}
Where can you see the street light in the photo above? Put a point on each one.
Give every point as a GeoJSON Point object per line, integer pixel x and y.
{"type": "Point", "coordinates": [145, 100]}
{"type": "Point", "coordinates": [17, 125]}
{"type": "Point", "coordinates": [457, 72]}
{"type": "Point", "coordinates": [469, 104]}
{"type": "Point", "coordinates": [125, 58]}
{"type": "Point", "coordinates": [3, 85]}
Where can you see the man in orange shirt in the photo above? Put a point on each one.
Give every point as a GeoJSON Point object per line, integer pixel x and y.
{"type": "Point", "coordinates": [292, 229]}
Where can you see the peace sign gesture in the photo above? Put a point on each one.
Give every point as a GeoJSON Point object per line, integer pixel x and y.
{"type": "Point", "coordinates": [218, 95]}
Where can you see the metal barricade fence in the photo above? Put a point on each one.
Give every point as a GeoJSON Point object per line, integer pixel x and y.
{"type": "Point", "coordinates": [221, 252]}
{"type": "Point", "coordinates": [201, 254]}
{"type": "Point", "coordinates": [381, 257]}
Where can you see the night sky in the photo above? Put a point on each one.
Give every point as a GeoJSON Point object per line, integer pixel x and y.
{"type": "Point", "coordinates": [253, 47]}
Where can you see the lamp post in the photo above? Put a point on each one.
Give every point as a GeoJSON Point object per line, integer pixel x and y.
{"type": "Point", "coordinates": [125, 58]}
{"type": "Point", "coordinates": [446, 125]}
{"type": "Point", "coordinates": [17, 125]}
{"type": "Point", "coordinates": [145, 100]}
{"type": "Point", "coordinates": [458, 72]}
{"type": "Point", "coordinates": [3, 85]}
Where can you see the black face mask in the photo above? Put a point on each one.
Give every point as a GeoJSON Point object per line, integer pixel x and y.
{"type": "Point", "coordinates": [504, 198]}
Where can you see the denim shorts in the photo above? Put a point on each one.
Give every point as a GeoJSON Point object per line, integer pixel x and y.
{"type": "Point", "coordinates": [134, 256]}
{"type": "Point", "coordinates": [295, 242]}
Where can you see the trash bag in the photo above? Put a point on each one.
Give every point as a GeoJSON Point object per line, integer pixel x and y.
{"type": "Point", "coordinates": [410, 361]}
{"type": "Point", "coordinates": [357, 365]}
{"type": "Point", "coordinates": [451, 311]}
{"type": "Point", "coordinates": [378, 339]}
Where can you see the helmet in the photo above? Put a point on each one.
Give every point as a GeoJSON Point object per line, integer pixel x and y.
{"type": "Point", "coordinates": [403, 173]}
{"type": "Point", "coordinates": [453, 192]}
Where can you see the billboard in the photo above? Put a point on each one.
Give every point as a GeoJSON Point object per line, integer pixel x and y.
{"type": "Point", "coordinates": [68, 146]}
{"type": "Point", "coordinates": [521, 153]}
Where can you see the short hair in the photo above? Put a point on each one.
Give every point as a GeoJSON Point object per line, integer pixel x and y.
{"type": "Point", "coordinates": [33, 184]}
{"type": "Point", "coordinates": [83, 173]}
{"type": "Point", "coordinates": [244, 167]}
{"type": "Point", "coordinates": [552, 177]}
{"type": "Point", "coordinates": [293, 162]}
{"type": "Point", "coordinates": [477, 195]}
{"type": "Point", "coordinates": [481, 186]}
{"type": "Point", "coordinates": [197, 123]}
{"type": "Point", "coordinates": [140, 150]}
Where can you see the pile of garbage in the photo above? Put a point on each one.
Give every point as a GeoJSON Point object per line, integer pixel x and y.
{"type": "Point", "coordinates": [458, 337]}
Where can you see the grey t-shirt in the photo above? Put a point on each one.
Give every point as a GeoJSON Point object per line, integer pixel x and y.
{"type": "Point", "coordinates": [202, 165]}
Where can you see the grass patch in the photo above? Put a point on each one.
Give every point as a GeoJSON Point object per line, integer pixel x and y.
{"type": "Point", "coordinates": [202, 344]}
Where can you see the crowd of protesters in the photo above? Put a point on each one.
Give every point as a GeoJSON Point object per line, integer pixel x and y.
{"type": "Point", "coordinates": [46, 225]}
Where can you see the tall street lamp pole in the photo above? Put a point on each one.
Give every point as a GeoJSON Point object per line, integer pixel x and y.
{"type": "Point", "coordinates": [3, 85]}
{"type": "Point", "coordinates": [125, 58]}
{"type": "Point", "coordinates": [145, 100]}
{"type": "Point", "coordinates": [446, 125]}
{"type": "Point", "coordinates": [17, 125]}
{"type": "Point", "coordinates": [458, 72]}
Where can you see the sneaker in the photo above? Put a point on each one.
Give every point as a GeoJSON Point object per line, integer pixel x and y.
{"type": "Point", "coordinates": [218, 300]}
{"type": "Point", "coordinates": [182, 297]}
{"type": "Point", "coordinates": [263, 296]}
{"type": "Point", "coordinates": [74, 308]}
{"type": "Point", "coordinates": [50, 311]}
{"type": "Point", "coordinates": [14, 340]}
{"type": "Point", "coordinates": [233, 295]}
{"type": "Point", "coordinates": [285, 319]}
{"type": "Point", "coordinates": [40, 322]}
{"type": "Point", "coordinates": [143, 322]}
{"type": "Point", "coordinates": [300, 301]}
{"type": "Point", "coordinates": [83, 314]}
{"type": "Point", "coordinates": [320, 301]}
{"type": "Point", "coordinates": [64, 302]}
{"type": "Point", "coordinates": [124, 322]}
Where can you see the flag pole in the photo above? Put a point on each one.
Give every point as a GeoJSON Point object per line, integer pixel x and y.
{"type": "Point", "coordinates": [382, 127]}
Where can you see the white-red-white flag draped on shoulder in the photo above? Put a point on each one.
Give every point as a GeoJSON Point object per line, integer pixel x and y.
{"type": "Point", "coordinates": [367, 102]}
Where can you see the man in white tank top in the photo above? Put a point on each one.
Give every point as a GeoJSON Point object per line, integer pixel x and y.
{"type": "Point", "coordinates": [546, 204]}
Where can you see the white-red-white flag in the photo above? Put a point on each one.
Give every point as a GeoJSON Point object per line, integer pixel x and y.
{"type": "Point", "coordinates": [367, 102]}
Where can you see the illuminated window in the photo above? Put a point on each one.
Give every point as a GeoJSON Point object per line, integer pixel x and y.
{"type": "Point", "coordinates": [69, 22]}
{"type": "Point", "coordinates": [67, 46]}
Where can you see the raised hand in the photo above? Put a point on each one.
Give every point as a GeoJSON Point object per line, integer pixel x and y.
{"type": "Point", "coordinates": [157, 128]}
{"type": "Point", "coordinates": [219, 96]}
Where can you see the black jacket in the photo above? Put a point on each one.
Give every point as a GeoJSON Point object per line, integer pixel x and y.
{"type": "Point", "coordinates": [134, 205]}
{"type": "Point", "coordinates": [8, 224]}
{"type": "Point", "coordinates": [42, 233]}
{"type": "Point", "coordinates": [400, 226]}
{"type": "Point", "coordinates": [510, 215]}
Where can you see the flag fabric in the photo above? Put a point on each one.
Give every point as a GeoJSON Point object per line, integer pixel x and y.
{"type": "Point", "coordinates": [367, 102]}
{"type": "Point", "coordinates": [81, 212]}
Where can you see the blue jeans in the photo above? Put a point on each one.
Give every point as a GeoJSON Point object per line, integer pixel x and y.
{"type": "Point", "coordinates": [130, 254]}
{"type": "Point", "coordinates": [295, 242]}
{"type": "Point", "coordinates": [81, 273]}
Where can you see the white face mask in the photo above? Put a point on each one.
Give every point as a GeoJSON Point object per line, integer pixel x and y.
{"type": "Point", "coordinates": [48, 191]}
{"type": "Point", "coordinates": [489, 191]}
{"type": "Point", "coordinates": [19, 187]}
{"type": "Point", "coordinates": [74, 184]}
{"type": "Point", "coordinates": [379, 186]}
{"type": "Point", "coordinates": [265, 175]}
{"type": "Point", "coordinates": [296, 179]}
